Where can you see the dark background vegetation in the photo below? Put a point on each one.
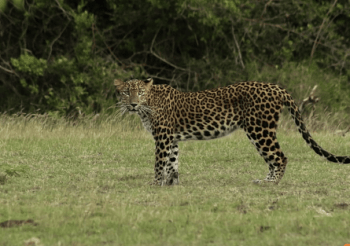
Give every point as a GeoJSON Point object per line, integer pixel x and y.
{"type": "Point", "coordinates": [61, 56]}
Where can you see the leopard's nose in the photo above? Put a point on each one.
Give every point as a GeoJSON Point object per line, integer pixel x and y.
{"type": "Point", "coordinates": [133, 105]}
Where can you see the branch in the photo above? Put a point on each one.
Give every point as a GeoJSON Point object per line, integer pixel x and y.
{"type": "Point", "coordinates": [264, 11]}
{"type": "Point", "coordinates": [64, 12]}
{"type": "Point", "coordinates": [239, 50]}
{"type": "Point", "coordinates": [102, 37]}
{"type": "Point", "coordinates": [11, 86]}
{"type": "Point", "coordinates": [162, 78]}
{"type": "Point", "coordinates": [311, 99]}
{"type": "Point", "coordinates": [48, 58]}
{"type": "Point", "coordinates": [319, 31]}
{"type": "Point", "coordinates": [6, 70]}
{"type": "Point", "coordinates": [281, 26]}
{"type": "Point", "coordinates": [93, 36]}
{"type": "Point", "coordinates": [343, 132]}
{"type": "Point", "coordinates": [162, 59]}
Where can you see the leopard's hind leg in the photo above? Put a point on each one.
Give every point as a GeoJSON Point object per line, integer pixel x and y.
{"type": "Point", "coordinates": [268, 147]}
{"type": "Point", "coordinates": [261, 131]}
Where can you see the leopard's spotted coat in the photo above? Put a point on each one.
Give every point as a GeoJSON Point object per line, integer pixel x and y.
{"type": "Point", "coordinates": [172, 116]}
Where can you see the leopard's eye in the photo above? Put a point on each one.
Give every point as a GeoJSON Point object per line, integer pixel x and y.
{"type": "Point", "coordinates": [141, 93]}
{"type": "Point", "coordinates": [125, 93]}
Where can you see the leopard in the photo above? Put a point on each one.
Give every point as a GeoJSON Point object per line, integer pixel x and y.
{"type": "Point", "coordinates": [171, 116]}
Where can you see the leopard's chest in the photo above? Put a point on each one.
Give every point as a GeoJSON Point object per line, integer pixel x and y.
{"type": "Point", "coordinates": [146, 121]}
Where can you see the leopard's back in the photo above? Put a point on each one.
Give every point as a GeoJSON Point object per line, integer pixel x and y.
{"type": "Point", "coordinates": [215, 113]}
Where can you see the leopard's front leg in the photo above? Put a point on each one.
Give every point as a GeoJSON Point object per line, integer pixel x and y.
{"type": "Point", "coordinates": [173, 165]}
{"type": "Point", "coordinates": [164, 140]}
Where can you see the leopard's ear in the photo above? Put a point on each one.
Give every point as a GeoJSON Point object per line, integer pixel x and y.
{"type": "Point", "coordinates": [119, 84]}
{"type": "Point", "coordinates": [148, 83]}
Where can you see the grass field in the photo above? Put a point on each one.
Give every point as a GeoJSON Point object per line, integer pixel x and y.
{"type": "Point", "coordinates": [88, 184]}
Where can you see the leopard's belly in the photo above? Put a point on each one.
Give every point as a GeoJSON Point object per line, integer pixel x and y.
{"type": "Point", "coordinates": [206, 133]}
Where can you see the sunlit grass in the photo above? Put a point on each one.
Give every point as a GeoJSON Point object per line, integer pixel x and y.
{"type": "Point", "coordinates": [86, 182]}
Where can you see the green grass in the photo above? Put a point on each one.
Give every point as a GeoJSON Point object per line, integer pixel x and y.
{"type": "Point", "coordinates": [87, 183]}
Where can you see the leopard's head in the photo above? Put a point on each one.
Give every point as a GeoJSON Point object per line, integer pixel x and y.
{"type": "Point", "coordinates": [133, 95]}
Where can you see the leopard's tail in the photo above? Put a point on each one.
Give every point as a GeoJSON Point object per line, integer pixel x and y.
{"type": "Point", "coordinates": [294, 111]}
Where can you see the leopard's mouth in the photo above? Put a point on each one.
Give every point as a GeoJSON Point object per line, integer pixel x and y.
{"type": "Point", "coordinates": [133, 111]}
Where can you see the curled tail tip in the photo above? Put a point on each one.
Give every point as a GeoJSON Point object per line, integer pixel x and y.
{"type": "Point", "coordinates": [339, 159]}
{"type": "Point", "coordinates": [346, 160]}
{"type": "Point", "coordinates": [320, 151]}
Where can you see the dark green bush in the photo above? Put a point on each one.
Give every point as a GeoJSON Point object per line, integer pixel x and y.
{"type": "Point", "coordinates": [61, 56]}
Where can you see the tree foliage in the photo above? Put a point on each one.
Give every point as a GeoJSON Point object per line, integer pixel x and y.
{"type": "Point", "coordinates": [62, 56]}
